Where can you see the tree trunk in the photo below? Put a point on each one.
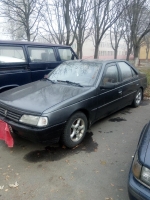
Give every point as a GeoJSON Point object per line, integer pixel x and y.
{"type": "Point", "coordinates": [129, 49]}
{"type": "Point", "coordinates": [67, 21]}
{"type": "Point", "coordinates": [81, 50]}
{"type": "Point", "coordinates": [80, 53]}
{"type": "Point", "coordinates": [78, 50]}
{"type": "Point", "coordinates": [115, 53]}
{"type": "Point", "coordinates": [28, 36]}
{"type": "Point", "coordinates": [96, 51]}
{"type": "Point", "coordinates": [136, 55]}
{"type": "Point", "coordinates": [28, 32]}
{"type": "Point", "coordinates": [136, 62]}
{"type": "Point", "coordinates": [128, 55]}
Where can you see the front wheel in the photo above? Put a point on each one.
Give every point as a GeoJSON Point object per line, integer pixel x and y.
{"type": "Point", "coordinates": [75, 130]}
{"type": "Point", "coordinates": [138, 98]}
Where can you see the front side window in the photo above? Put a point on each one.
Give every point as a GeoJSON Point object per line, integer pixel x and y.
{"type": "Point", "coordinates": [11, 54]}
{"type": "Point", "coordinates": [66, 54]}
{"type": "Point", "coordinates": [126, 71]}
{"type": "Point", "coordinates": [111, 75]}
{"type": "Point", "coordinates": [83, 73]}
{"type": "Point", "coordinates": [38, 54]}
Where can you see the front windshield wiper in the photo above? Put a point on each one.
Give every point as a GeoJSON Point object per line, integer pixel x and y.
{"type": "Point", "coordinates": [70, 82]}
{"type": "Point", "coordinates": [48, 80]}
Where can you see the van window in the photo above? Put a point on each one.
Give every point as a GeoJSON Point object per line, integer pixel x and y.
{"type": "Point", "coordinates": [39, 54]}
{"type": "Point", "coordinates": [11, 54]}
{"type": "Point", "coordinates": [66, 54]}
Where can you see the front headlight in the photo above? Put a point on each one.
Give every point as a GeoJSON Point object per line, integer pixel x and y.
{"type": "Point", "coordinates": [34, 120]}
{"type": "Point", "coordinates": [140, 172]}
{"type": "Point", "coordinates": [145, 175]}
{"type": "Point", "coordinates": [136, 167]}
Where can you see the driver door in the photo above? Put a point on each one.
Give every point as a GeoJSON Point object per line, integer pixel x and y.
{"type": "Point", "coordinates": [110, 96]}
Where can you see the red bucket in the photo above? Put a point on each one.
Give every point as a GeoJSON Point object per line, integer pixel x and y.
{"type": "Point", "coordinates": [5, 134]}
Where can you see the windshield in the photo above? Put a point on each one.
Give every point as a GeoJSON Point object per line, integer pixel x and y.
{"type": "Point", "coordinates": [83, 73]}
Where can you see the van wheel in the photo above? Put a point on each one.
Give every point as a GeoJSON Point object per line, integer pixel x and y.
{"type": "Point", "coordinates": [75, 130]}
{"type": "Point", "coordinates": [138, 98]}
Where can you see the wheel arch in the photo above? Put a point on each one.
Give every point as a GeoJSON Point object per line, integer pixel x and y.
{"type": "Point", "coordinates": [85, 112]}
{"type": "Point", "coordinates": [142, 91]}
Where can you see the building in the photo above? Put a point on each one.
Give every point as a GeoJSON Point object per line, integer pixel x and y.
{"type": "Point", "coordinates": [143, 54]}
{"type": "Point", "coordinates": [105, 49]}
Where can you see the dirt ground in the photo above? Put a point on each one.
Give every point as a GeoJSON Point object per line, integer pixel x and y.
{"type": "Point", "coordinates": [97, 169]}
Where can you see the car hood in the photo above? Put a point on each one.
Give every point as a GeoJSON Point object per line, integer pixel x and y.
{"type": "Point", "coordinates": [38, 96]}
{"type": "Point", "coordinates": [144, 147]}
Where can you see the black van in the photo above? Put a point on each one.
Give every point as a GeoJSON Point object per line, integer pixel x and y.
{"type": "Point", "coordinates": [24, 62]}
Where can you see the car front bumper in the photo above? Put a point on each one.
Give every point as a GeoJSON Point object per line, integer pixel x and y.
{"type": "Point", "coordinates": [35, 134]}
{"type": "Point", "coordinates": [136, 190]}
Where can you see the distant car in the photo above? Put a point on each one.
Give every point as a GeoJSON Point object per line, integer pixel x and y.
{"type": "Point", "coordinates": [26, 62]}
{"type": "Point", "coordinates": [64, 104]}
{"type": "Point", "coordinates": [139, 176]}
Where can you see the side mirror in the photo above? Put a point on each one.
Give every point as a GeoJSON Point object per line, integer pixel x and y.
{"type": "Point", "coordinates": [108, 86]}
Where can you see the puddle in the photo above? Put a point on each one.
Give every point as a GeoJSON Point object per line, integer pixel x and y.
{"type": "Point", "coordinates": [117, 119]}
{"type": "Point", "coordinates": [55, 152]}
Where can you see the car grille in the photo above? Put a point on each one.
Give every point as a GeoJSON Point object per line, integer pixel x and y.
{"type": "Point", "coordinates": [9, 114]}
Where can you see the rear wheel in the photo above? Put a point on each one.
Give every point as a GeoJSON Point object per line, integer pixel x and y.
{"type": "Point", "coordinates": [75, 130]}
{"type": "Point", "coordinates": [138, 98]}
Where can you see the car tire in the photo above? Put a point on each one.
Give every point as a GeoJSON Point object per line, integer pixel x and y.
{"type": "Point", "coordinates": [75, 130]}
{"type": "Point", "coordinates": [138, 98]}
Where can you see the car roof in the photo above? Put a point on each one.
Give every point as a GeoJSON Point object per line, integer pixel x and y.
{"type": "Point", "coordinates": [96, 61]}
{"type": "Point", "coordinates": [29, 43]}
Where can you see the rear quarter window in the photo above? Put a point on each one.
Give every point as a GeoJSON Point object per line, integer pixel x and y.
{"type": "Point", "coordinates": [126, 71]}
{"type": "Point", "coordinates": [66, 54]}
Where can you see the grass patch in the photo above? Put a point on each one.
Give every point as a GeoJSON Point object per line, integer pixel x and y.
{"type": "Point", "coordinates": [147, 72]}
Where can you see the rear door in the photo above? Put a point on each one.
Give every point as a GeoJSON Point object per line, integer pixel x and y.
{"type": "Point", "coordinates": [13, 66]}
{"type": "Point", "coordinates": [129, 82]}
{"type": "Point", "coordinates": [42, 60]}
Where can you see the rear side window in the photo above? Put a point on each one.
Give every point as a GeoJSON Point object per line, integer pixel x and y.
{"type": "Point", "coordinates": [66, 54]}
{"type": "Point", "coordinates": [11, 54]}
{"type": "Point", "coordinates": [38, 54]}
{"type": "Point", "coordinates": [126, 71]}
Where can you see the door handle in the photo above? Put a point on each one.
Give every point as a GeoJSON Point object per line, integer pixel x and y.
{"type": "Point", "coordinates": [120, 92]}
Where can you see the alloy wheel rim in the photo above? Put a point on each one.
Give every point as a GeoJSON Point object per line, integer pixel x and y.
{"type": "Point", "coordinates": [77, 130]}
{"type": "Point", "coordinates": [138, 98]}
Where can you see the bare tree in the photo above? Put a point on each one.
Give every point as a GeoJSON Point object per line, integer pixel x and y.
{"type": "Point", "coordinates": [23, 16]}
{"type": "Point", "coordinates": [129, 45]}
{"type": "Point", "coordinates": [116, 33]}
{"type": "Point", "coordinates": [52, 26]}
{"type": "Point", "coordinates": [127, 35]}
{"type": "Point", "coordinates": [105, 14]}
{"type": "Point", "coordinates": [60, 20]}
{"type": "Point", "coordinates": [71, 20]}
{"type": "Point", "coordinates": [84, 28]}
{"type": "Point", "coordinates": [138, 17]}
